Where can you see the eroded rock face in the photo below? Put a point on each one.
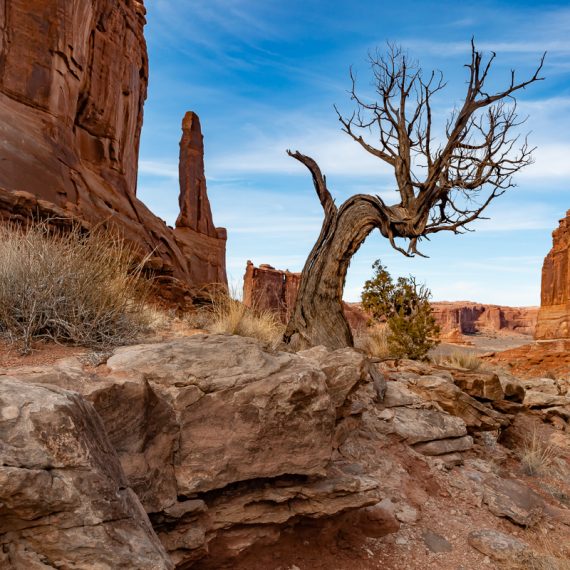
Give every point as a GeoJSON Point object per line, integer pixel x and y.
{"type": "Point", "coordinates": [223, 441]}
{"type": "Point", "coordinates": [554, 315]}
{"type": "Point", "coordinates": [202, 244]}
{"type": "Point", "coordinates": [469, 318]}
{"type": "Point", "coordinates": [63, 494]}
{"type": "Point", "coordinates": [270, 289]}
{"type": "Point", "coordinates": [73, 82]}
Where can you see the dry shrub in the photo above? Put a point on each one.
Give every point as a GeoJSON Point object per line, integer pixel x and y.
{"type": "Point", "coordinates": [546, 554]}
{"type": "Point", "coordinates": [69, 287]}
{"type": "Point", "coordinates": [460, 359]}
{"type": "Point", "coordinates": [373, 341]}
{"type": "Point", "coordinates": [229, 315]}
{"type": "Point", "coordinates": [536, 455]}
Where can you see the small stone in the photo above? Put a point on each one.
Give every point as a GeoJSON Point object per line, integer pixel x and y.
{"type": "Point", "coordinates": [495, 544]}
{"type": "Point", "coordinates": [436, 543]}
{"type": "Point", "coordinates": [407, 514]}
{"type": "Point", "coordinates": [401, 540]}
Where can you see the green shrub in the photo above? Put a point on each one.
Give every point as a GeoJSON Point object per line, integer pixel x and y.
{"type": "Point", "coordinates": [405, 307]}
{"type": "Point", "coordinates": [69, 287]}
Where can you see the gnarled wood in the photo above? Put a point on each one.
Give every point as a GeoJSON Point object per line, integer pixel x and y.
{"type": "Point", "coordinates": [474, 166]}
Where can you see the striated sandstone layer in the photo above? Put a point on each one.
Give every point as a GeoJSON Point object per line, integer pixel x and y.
{"type": "Point", "coordinates": [554, 315]}
{"type": "Point", "coordinates": [470, 318]}
{"type": "Point", "coordinates": [73, 82]}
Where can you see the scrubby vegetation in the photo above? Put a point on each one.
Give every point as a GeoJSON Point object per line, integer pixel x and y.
{"type": "Point", "coordinates": [536, 455]}
{"type": "Point", "coordinates": [404, 306]}
{"type": "Point", "coordinates": [226, 314]}
{"type": "Point", "coordinates": [460, 359]}
{"type": "Point", "coordinates": [373, 340]}
{"type": "Point", "coordinates": [69, 287]}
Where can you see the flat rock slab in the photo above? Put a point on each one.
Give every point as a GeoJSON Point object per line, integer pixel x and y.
{"type": "Point", "coordinates": [445, 446]}
{"type": "Point", "coordinates": [480, 385]}
{"type": "Point", "coordinates": [513, 500]}
{"type": "Point", "coordinates": [418, 425]}
{"type": "Point", "coordinates": [435, 542]}
{"type": "Point", "coordinates": [497, 545]}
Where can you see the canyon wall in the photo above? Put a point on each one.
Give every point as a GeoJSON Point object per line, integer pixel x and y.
{"type": "Point", "coordinates": [554, 315]}
{"type": "Point", "coordinates": [73, 81]}
{"type": "Point", "coordinates": [268, 288]}
{"type": "Point", "coordinates": [470, 318]}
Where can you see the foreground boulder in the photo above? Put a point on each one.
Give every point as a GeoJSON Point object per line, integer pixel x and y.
{"type": "Point", "coordinates": [64, 498]}
{"type": "Point", "coordinates": [216, 434]}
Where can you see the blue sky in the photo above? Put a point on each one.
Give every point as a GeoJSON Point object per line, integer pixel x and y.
{"type": "Point", "coordinates": [263, 75]}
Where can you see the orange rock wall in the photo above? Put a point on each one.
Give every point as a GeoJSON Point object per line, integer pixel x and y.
{"type": "Point", "coordinates": [73, 81]}
{"type": "Point", "coordinates": [267, 288]}
{"type": "Point", "coordinates": [470, 318]}
{"type": "Point", "coordinates": [554, 315]}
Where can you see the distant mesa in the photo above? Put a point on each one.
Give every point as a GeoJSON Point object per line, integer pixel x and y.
{"type": "Point", "coordinates": [554, 315]}
{"type": "Point", "coordinates": [73, 82]}
{"type": "Point", "coordinates": [271, 289]}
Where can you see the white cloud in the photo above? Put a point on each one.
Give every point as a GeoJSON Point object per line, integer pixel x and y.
{"type": "Point", "coordinates": [158, 168]}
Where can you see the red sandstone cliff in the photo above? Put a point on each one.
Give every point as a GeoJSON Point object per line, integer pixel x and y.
{"type": "Point", "coordinates": [272, 289]}
{"type": "Point", "coordinates": [554, 315]}
{"type": "Point", "coordinates": [73, 80]}
{"type": "Point", "coordinates": [468, 318]}
{"type": "Point", "coordinates": [267, 288]}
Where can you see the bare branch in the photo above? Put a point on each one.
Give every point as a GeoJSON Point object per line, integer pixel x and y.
{"type": "Point", "coordinates": [319, 181]}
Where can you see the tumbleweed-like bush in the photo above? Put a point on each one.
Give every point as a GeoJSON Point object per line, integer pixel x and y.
{"type": "Point", "coordinates": [69, 287]}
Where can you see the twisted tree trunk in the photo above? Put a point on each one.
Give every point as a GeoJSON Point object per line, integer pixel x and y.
{"type": "Point", "coordinates": [318, 318]}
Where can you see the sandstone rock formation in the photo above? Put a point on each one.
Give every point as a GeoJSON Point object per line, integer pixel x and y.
{"type": "Point", "coordinates": [469, 318]}
{"type": "Point", "coordinates": [202, 244]}
{"type": "Point", "coordinates": [232, 448]}
{"type": "Point", "coordinates": [194, 416]}
{"type": "Point", "coordinates": [267, 288]}
{"type": "Point", "coordinates": [554, 315]}
{"type": "Point", "coordinates": [73, 82]}
{"type": "Point", "coordinates": [63, 494]}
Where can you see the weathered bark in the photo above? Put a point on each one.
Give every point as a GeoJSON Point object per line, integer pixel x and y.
{"type": "Point", "coordinates": [318, 317]}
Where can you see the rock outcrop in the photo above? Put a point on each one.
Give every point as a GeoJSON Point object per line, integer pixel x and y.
{"type": "Point", "coordinates": [267, 288]}
{"type": "Point", "coordinates": [554, 315]}
{"type": "Point", "coordinates": [73, 82]}
{"type": "Point", "coordinates": [202, 244]}
{"type": "Point", "coordinates": [220, 439]}
{"type": "Point", "coordinates": [63, 494]}
{"type": "Point", "coordinates": [469, 318]}
{"type": "Point", "coordinates": [231, 449]}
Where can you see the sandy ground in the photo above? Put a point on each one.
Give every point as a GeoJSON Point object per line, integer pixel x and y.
{"type": "Point", "coordinates": [481, 344]}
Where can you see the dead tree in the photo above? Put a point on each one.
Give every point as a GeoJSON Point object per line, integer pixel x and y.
{"type": "Point", "coordinates": [441, 187]}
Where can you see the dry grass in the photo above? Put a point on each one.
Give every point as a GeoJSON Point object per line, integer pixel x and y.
{"type": "Point", "coordinates": [373, 341]}
{"type": "Point", "coordinates": [537, 456]}
{"type": "Point", "coordinates": [460, 359]}
{"type": "Point", "coordinates": [69, 287]}
{"type": "Point", "coordinates": [229, 315]}
{"type": "Point", "coordinates": [547, 553]}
